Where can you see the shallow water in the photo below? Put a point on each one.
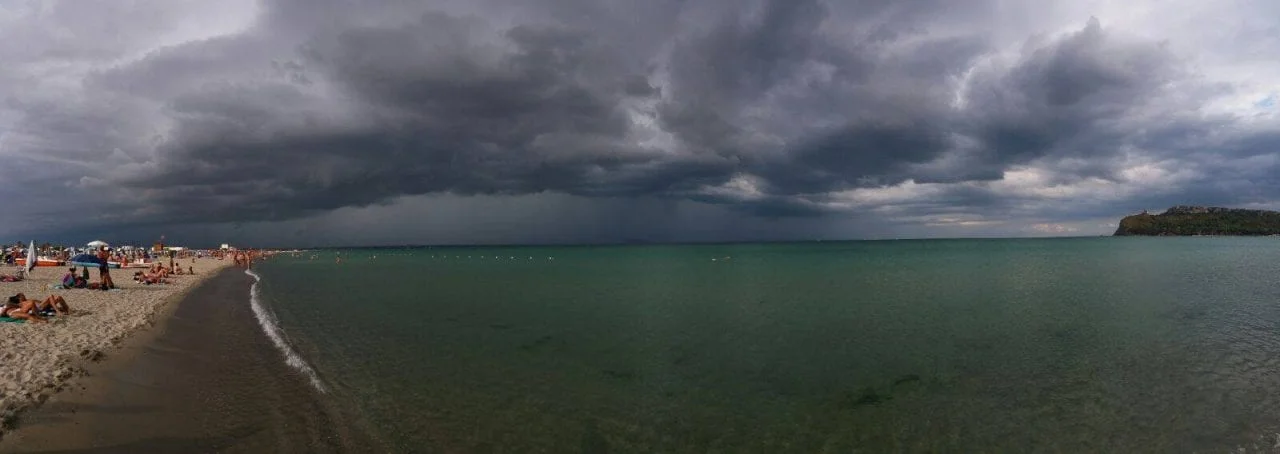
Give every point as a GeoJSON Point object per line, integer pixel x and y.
{"type": "Point", "coordinates": [1029, 345]}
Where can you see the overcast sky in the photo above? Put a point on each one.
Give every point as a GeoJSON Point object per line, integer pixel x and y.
{"type": "Point", "coordinates": [321, 122]}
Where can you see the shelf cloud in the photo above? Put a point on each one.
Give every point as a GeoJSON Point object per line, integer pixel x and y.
{"type": "Point", "coordinates": [779, 119]}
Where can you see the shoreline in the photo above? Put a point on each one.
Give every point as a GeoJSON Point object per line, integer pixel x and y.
{"type": "Point", "coordinates": [205, 378]}
{"type": "Point", "coordinates": [42, 359]}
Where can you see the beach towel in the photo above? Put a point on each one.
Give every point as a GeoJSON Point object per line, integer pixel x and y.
{"type": "Point", "coordinates": [45, 314]}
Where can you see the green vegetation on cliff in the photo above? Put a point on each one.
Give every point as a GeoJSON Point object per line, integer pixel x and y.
{"type": "Point", "coordinates": [1193, 220]}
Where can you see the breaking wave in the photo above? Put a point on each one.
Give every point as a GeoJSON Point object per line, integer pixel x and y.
{"type": "Point", "coordinates": [271, 326]}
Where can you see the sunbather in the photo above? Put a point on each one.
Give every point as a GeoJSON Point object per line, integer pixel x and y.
{"type": "Point", "coordinates": [19, 307]}
{"type": "Point", "coordinates": [159, 271]}
{"type": "Point", "coordinates": [51, 303]}
{"type": "Point", "coordinates": [23, 311]}
{"type": "Point", "coordinates": [145, 278]}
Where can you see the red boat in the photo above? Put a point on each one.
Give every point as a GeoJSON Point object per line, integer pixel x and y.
{"type": "Point", "coordinates": [41, 261]}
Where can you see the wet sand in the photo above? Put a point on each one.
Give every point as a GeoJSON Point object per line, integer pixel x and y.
{"type": "Point", "coordinates": [205, 379]}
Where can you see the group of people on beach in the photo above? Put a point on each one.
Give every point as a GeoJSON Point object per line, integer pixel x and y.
{"type": "Point", "coordinates": [158, 274]}
{"type": "Point", "coordinates": [243, 259]}
{"type": "Point", "coordinates": [73, 280]}
{"type": "Point", "coordinates": [21, 308]}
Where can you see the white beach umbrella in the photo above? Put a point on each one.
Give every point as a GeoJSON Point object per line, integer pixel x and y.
{"type": "Point", "coordinates": [31, 256]}
{"type": "Point", "coordinates": [97, 244]}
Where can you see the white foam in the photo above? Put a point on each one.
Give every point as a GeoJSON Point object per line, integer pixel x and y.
{"type": "Point", "coordinates": [269, 325]}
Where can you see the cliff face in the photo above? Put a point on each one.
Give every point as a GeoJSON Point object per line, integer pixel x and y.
{"type": "Point", "coordinates": [1197, 220]}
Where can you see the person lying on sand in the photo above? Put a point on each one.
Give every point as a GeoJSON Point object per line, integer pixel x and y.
{"type": "Point", "coordinates": [22, 311]}
{"type": "Point", "coordinates": [10, 278]}
{"type": "Point", "coordinates": [159, 271]}
{"type": "Point", "coordinates": [51, 303]}
{"type": "Point", "coordinates": [148, 279]}
{"type": "Point", "coordinates": [19, 307]}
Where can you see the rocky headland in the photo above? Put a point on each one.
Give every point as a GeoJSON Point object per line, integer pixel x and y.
{"type": "Point", "coordinates": [1183, 220]}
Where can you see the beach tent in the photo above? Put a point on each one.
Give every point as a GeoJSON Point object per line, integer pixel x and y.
{"type": "Point", "coordinates": [97, 244]}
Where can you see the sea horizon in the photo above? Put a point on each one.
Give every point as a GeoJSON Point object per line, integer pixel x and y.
{"type": "Point", "coordinates": [693, 243]}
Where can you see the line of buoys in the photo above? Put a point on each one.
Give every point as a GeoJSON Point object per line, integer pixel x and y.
{"type": "Point", "coordinates": [434, 256]}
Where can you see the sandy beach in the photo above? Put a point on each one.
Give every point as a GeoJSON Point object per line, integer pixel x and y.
{"type": "Point", "coordinates": [39, 359]}
{"type": "Point", "coordinates": [203, 378]}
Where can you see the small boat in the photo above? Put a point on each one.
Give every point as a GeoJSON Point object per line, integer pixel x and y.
{"type": "Point", "coordinates": [41, 261]}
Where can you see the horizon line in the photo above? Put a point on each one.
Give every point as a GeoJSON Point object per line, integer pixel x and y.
{"type": "Point", "coordinates": [634, 242]}
{"type": "Point", "coordinates": [681, 243]}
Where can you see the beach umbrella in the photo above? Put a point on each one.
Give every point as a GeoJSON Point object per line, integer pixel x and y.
{"type": "Point", "coordinates": [88, 260]}
{"type": "Point", "coordinates": [31, 256]}
{"type": "Point", "coordinates": [97, 244]}
{"type": "Point", "coordinates": [85, 258]}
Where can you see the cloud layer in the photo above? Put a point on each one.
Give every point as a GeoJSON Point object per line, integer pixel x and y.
{"type": "Point", "coordinates": [922, 117]}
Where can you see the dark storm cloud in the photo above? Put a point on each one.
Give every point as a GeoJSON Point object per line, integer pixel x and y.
{"type": "Point", "coordinates": [716, 76]}
{"type": "Point", "coordinates": [1068, 96]}
{"type": "Point", "coordinates": [448, 105]}
{"type": "Point", "coordinates": [542, 115]}
{"type": "Point", "coordinates": [775, 108]}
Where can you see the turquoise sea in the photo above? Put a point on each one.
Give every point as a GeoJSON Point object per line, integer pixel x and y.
{"type": "Point", "coordinates": [1025, 345]}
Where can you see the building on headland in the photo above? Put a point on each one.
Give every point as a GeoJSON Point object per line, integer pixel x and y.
{"type": "Point", "coordinates": [1192, 209]}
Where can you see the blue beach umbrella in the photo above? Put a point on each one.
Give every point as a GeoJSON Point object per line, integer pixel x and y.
{"type": "Point", "coordinates": [86, 260]}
